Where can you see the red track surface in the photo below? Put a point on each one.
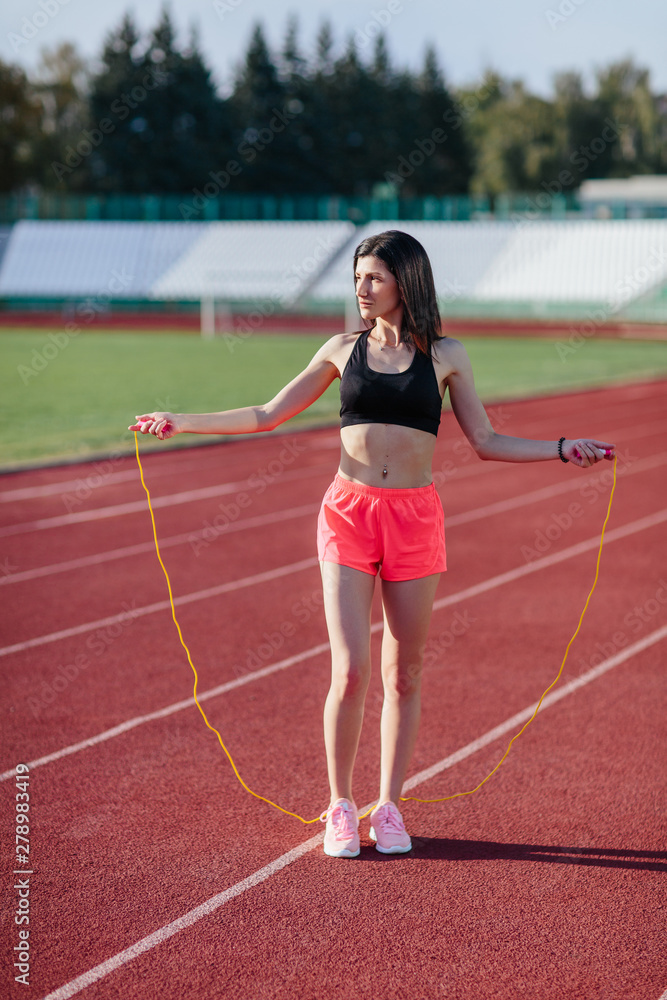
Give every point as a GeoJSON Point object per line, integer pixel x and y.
{"type": "Point", "coordinates": [155, 874]}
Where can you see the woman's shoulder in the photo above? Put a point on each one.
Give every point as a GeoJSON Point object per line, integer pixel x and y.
{"type": "Point", "coordinates": [448, 347]}
{"type": "Point", "coordinates": [449, 355]}
{"type": "Point", "coordinates": [338, 349]}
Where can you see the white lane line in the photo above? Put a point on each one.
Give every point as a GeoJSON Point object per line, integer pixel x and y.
{"type": "Point", "coordinates": [170, 500]}
{"type": "Point", "coordinates": [93, 468]}
{"type": "Point", "coordinates": [135, 506]}
{"type": "Point", "coordinates": [200, 595]}
{"type": "Point", "coordinates": [465, 517]}
{"type": "Point", "coordinates": [474, 591]}
{"type": "Point", "coordinates": [149, 609]}
{"type": "Point", "coordinates": [199, 912]}
{"type": "Point", "coordinates": [162, 713]}
{"type": "Point", "coordinates": [207, 492]}
{"type": "Point", "coordinates": [523, 716]}
{"type": "Point", "coordinates": [36, 492]}
{"type": "Point", "coordinates": [644, 523]}
{"type": "Point", "coordinates": [547, 492]}
{"type": "Point", "coordinates": [223, 588]}
{"type": "Point", "coordinates": [215, 902]}
{"type": "Point", "coordinates": [201, 534]}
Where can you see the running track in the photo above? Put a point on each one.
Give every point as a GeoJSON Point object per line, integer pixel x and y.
{"type": "Point", "coordinates": [156, 875]}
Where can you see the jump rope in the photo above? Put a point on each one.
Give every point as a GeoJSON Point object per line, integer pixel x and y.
{"type": "Point", "coordinates": [407, 798]}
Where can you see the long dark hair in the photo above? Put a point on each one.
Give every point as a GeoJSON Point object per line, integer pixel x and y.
{"type": "Point", "coordinates": [407, 260]}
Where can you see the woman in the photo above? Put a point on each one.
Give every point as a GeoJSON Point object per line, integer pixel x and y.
{"type": "Point", "coordinates": [382, 513]}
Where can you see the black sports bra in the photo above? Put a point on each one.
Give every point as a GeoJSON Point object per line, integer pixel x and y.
{"type": "Point", "coordinates": [410, 398]}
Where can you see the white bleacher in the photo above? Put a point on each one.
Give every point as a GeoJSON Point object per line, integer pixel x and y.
{"type": "Point", "coordinates": [460, 254]}
{"type": "Point", "coordinates": [604, 261]}
{"type": "Point", "coordinates": [254, 260]}
{"type": "Point", "coordinates": [80, 259]}
{"type": "Point", "coordinates": [301, 265]}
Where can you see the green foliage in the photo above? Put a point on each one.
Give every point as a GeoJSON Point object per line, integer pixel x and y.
{"type": "Point", "coordinates": [524, 143]}
{"type": "Point", "coordinates": [60, 90]}
{"type": "Point", "coordinates": [167, 121]}
{"type": "Point", "coordinates": [341, 120]}
{"type": "Point", "coordinates": [19, 117]}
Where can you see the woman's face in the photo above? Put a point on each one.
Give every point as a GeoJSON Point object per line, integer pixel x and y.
{"type": "Point", "coordinates": [376, 289]}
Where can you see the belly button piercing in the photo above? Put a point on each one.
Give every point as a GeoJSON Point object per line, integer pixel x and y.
{"type": "Point", "coordinates": [384, 471]}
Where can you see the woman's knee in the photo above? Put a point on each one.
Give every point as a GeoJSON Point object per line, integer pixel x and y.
{"type": "Point", "coordinates": [402, 682]}
{"type": "Point", "coordinates": [350, 680]}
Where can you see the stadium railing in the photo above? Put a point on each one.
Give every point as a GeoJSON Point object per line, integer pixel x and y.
{"type": "Point", "coordinates": [199, 206]}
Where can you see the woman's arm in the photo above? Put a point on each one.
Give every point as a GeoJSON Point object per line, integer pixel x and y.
{"type": "Point", "coordinates": [476, 426]}
{"type": "Point", "coordinates": [294, 398]}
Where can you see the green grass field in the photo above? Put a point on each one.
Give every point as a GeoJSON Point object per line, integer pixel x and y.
{"type": "Point", "coordinates": [63, 400]}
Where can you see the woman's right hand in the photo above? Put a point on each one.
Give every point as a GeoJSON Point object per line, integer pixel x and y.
{"type": "Point", "coordinates": [162, 425]}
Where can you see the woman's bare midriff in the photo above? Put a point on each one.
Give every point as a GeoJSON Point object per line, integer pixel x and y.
{"type": "Point", "coordinates": [405, 452]}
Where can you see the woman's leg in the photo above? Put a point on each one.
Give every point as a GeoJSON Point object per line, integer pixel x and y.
{"type": "Point", "coordinates": [348, 595]}
{"type": "Point", "coordinates": [407, 613]}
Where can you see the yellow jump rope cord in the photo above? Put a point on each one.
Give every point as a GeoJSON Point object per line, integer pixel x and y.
{"type": "Point", "coordinates": [457, 795]}
{"type": "Point", "coordinates": [403, 799]}
{"type": "Point", "coordinates": [194, 669]}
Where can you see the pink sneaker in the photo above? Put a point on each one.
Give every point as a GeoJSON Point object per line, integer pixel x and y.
{"type": "Point", "coordinates": [388, 831]}
{"type": "Point", "coordinates": [341, 839]}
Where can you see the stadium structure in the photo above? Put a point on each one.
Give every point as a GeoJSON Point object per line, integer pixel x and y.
{"type": "Point", "coordinates": [221, 275]}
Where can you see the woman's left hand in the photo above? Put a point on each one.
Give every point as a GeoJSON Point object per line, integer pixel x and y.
{"type": "Point", "coordinates": [587, 451]}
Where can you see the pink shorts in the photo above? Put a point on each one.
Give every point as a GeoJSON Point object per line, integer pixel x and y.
{"type": "Point", "coordinates": [401, 533]}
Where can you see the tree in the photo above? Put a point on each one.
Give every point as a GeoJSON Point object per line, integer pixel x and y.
{"type": "Point", "coordinates": [61, 88]}
{"type": "Point", "coordinates": [117, 165]}
{"type": "Point", "coordinates": [149, 120]}
{"type": "Point", "coordinates": [512, 134]}
{"type": "Point", "coordinates": [168, 128]}
{"type": "Point", "coordinates": [324, 44]}
{"type": "Point", "coordinates": [299, 147]}
{"type": "Point", "coordinates": [624, 95]}
{"type": "Point", "coordinates": [186, 125]}
{"type": "Point", "coordinates": [19, 124]}
{"type": "Point", "coordinates": [261, 120]}
{"type": "Point", "coordinates": [446, 166]}
{"type": "Point", "coordinates": [352, 95]}
{"type": "Point", "coordinates": [578, 120]}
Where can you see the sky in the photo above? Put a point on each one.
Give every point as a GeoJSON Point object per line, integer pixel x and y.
{"type": "Point", "coordinates": [529, 40]}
